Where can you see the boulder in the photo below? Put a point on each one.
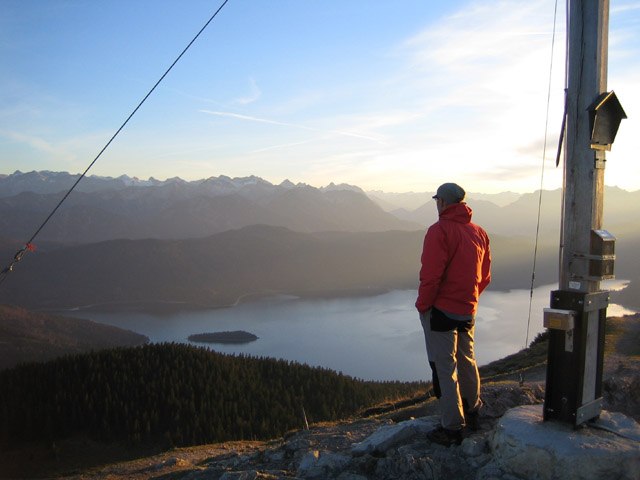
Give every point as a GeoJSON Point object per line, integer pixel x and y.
{"type": "Point", "coordinates": [390, 436]}
{"type": "Point", "coordinates": [322, 465]}
{"type": "Point", "coordinates": [527, 447]}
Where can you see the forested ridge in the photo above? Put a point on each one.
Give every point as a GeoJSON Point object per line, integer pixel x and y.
{"type": "Point", "coordinates": [176, 394]}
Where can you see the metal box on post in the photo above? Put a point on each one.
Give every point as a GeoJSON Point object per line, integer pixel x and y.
{"type": "Point", "coordinates": [576, 323]}
{"type": "Point", "coordinates": [602, 255]}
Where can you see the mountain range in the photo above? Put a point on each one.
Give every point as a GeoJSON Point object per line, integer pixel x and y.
{"type": "Point", "coordinates": [519, 217]}
{"type": "Point", "coordinates": [209, 242]}
{"type": "Point", "coordinates": [105, 208]}
{"type": "Point", "coordinates": [108, 209]}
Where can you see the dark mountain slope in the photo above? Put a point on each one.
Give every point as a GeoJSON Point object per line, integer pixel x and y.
{"type": "Point", "coordinates": [213, 271]}
{"type": "Point", "coordinates": [28, 336]}
{"type": "Point", "coordinates": [257, 260]}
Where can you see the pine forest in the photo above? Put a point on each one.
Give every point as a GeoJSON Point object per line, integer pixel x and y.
{"type": "Point", "coordinates": [176, 395]}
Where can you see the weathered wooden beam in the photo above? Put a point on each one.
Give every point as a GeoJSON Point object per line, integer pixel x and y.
{"type": "Point", "coordinates": [584, 167]}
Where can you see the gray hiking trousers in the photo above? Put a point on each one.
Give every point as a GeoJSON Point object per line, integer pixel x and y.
{"type": "Point", "coordinates": [456, 381]}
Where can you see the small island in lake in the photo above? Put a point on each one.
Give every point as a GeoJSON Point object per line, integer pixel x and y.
{"type": "Point", "coordinates": [237, 336]}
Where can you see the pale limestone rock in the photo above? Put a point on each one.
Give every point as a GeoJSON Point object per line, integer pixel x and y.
{"type": "Point", "coordinates": [406, 467]}
{"type": "Point", "coordinates": [475, 445]}
{"type": "Point", "coordinates": [275, 456]}
{"type": "Point", "coordinates": [479, 461]}
{"type": "Point", "coordinates": [527, 447]}
{"type": "Point", "coordinates": [317, 464]}
{"type": "Point", "coordinates": [309, 461]}
{"type": "Point", "coordinates": [390, 436]}
{"type": "Point", "coordinates": [619, 424]}
{"type": "Point", "coordinates": [523, 447]}
{"type": "Point", "coordinates": [333, 462]}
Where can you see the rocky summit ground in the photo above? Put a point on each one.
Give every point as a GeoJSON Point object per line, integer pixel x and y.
{"type": "Point", "coordinates": [391, 444]}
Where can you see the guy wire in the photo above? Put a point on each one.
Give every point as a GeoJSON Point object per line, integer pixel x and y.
{"type": "Point", "coordinates": [20, 253]}
{"type": "Point", "coordinates": [544, 155]}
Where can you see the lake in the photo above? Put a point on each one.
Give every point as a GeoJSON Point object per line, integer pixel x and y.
{"type": "Point", "coordinates": [373, 338]}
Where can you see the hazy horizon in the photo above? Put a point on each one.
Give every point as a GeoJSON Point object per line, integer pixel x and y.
{"type": "Point", "coordinates": [288, 179]}
{"type": "Point", "coordinates": [398, 97]}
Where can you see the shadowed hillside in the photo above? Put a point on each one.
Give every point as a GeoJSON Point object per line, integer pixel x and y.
{"type": "Point", "coordinates": [258, 260]}
{"type": "Point", "coordinates": [28, 336]}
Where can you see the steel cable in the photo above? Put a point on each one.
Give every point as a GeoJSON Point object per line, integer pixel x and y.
{"type": "Point", "coordinates": [29, 244]}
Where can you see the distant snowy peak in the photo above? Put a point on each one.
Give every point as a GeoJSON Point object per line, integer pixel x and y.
{"type": "Point", "coordinates": [127, 180]}
{"type": "Point", "coordinates": [37, 182]}
{"type": "Point", "coordinates": [224, 185]}
{"type": "Point", "coordinates": [252, 180]}
{"type": "Point", "coordinates": [341, 186]}
{"type": "Point", "coordinates": [45, 182]}
{"type": "Point", "coordinates": [35, 177]}
{"type": "Point", "coordinates": [288, 184]}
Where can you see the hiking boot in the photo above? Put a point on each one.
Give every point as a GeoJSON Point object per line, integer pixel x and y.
{"type": "Point", "coordinates": [472, 420]}
{"type": "Point", "coordinates": [444, 436]}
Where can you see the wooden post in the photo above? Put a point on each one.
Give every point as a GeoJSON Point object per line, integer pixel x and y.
{"type": "Point", "coordinates": [584, 167]}
{"type": "Point", "coordinates": [576, 351]}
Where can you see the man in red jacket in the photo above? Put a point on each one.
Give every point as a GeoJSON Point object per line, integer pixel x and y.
{"type": "Point", "coordinates": [456, 268]}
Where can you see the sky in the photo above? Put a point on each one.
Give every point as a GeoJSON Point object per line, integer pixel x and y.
{"type": "Point", "coordinates": [395, 96]}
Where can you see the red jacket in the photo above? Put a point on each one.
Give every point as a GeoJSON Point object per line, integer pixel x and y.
{"type": "Point", "coordinates": [456, 263]}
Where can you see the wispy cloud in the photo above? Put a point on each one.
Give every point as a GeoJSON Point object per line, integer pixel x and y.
{"type": "Point", "coordinates": [38, 143]}
{"type": "Point", "coordinates": [624, 7]}
{"type": "Point", "coordinates": [282, 146]}
{"type": "Point", "coordinates": [466, 99]}
{"type": "Point", "coordinates": [463, 98]}
{"type": "Point", "coordinates": [481, 75]}
{"type": "Point", "coordinates": [486, 51]}
{"type": "Point", "coordinates": [249, 118]}
{"type": "Point", "coordinates": [254, 94]}
{"type": "Point", "coordinates": [291, 125]}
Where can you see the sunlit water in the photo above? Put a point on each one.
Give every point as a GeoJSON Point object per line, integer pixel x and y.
{"type": "Point", "coordinates": [377, 338]}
